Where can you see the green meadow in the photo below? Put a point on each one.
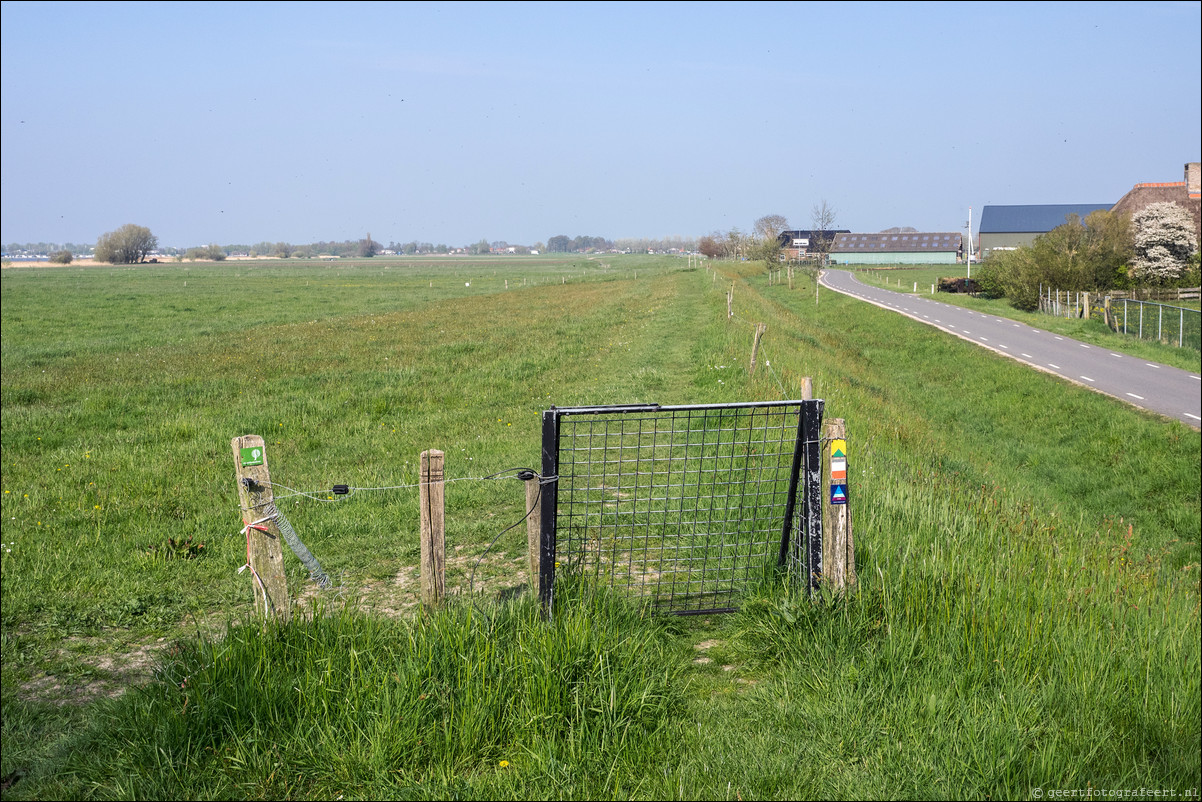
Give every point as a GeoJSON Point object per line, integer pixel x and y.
{"type": "Point", "coordinates": [1026, 621]}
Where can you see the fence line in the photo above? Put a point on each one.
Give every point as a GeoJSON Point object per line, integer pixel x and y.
{"type": "Point", "coordinates": [1145, 320]}
{"type": "Point", "coordinates": [1159, 294]}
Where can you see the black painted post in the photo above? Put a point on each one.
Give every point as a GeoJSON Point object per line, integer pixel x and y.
{"type": "Point", "coordinates": [548, 506]}
{"type": "Point", "coordinates": [787, 537]}
{"type": "Point", "coordinates": [811, 511]}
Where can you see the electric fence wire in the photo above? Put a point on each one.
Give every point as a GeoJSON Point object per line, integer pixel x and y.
{"type": "Point", "coordinates": [525, 475]}
{"type": "Point", "coordinates": [768, 362]}
{"type": "Point", "coordinates": [344, 492]}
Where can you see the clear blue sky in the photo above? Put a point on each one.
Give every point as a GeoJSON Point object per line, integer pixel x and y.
{"type": "Point", "coordinates": [448, 123]}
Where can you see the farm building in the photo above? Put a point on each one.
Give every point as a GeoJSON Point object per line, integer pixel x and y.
{"type": "Point", "coordinates": [1187, 194]}
{"type": "Point", "coordinates": [911, 248]}
{"type": "Point", "coordinates": [800, 244]}
{"type": "Point", "coordinates": [1008, 227]}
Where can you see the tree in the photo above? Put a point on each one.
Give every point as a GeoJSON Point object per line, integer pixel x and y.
{"type": "Point", "coordinates": [61, 257]}
{"type": "Point", "coordinates": [127, 245]}
{"type": "Point", "coordinates": [1083, 255]}
{"type": "Point", "coordinates": [210, 253]}
{"type": "Point", "coordinates": [768, 248]}
{"type": "Point", "coordinates": [368, 247]}
{"type": "Point", "coordinates": [1164, 242]}
{"type": "Point", "coordinates": [1090, 255]}
{"type": "Point", "coordinates": [1109, 248]}
{"type": "Point", "coordinates": [558, 244]}
{"type": "Point", "coordinates": [822, 219]}
{"type": "Point", "coordinates": [1013, 275]}
{"type": "Point", "coordinates": [710, 246]}
{"type": "Point", "coordinates": [770, 226]}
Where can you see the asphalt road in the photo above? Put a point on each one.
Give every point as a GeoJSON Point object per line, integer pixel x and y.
{"type": "Point", "coordinates": [1169, 391]}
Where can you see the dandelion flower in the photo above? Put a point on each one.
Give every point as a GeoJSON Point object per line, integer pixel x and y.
{"type": "Point", "coordinates": [504, 764]}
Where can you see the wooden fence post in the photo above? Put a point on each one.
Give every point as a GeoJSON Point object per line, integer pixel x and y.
{"type": "Point", "coordinates": [433, 512]}
{"type": "Point", "coordinates": [839, 550]}
{"type": "Point", "coordinates": [264, 557]}
{"type": "Point", "coordinates": [760, 328]}
{"type": "Point", "coordinates": [534, 529]}
{"type": "Point", "coordinates": [807, 388]}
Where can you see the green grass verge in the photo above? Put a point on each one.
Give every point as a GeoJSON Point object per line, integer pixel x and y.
{"type": "Point", "coordinates": [904, 279]}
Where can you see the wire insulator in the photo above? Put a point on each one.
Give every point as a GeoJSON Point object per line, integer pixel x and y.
{"type": "Point", "coordinates": [341, 490]}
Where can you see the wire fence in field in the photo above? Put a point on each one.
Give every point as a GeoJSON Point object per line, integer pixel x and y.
{"type": "Point", "coordinates": [1146, 320]}
{"type": "Point", "coordinates": [1153, 321]}
{"type": "Point", "coordinates": [681, 506]}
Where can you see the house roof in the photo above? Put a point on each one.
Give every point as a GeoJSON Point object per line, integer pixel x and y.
{"type": "Point", "coordinates": [786, 237]}
{"type": "Point", "coordinates": [910, 242]}
{"type": "Point", "coordinates": [1033, 219]}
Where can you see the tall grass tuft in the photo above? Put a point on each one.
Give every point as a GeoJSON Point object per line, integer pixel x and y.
{"type": "Point", "coordinates": [469, 699]}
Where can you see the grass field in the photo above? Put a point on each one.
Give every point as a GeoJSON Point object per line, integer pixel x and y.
{"type": "Point", "coordinates": [1027, 618]}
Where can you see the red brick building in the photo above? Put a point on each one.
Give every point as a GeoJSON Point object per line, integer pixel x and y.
{"type": "Point", "coordinates": [1186, 194]}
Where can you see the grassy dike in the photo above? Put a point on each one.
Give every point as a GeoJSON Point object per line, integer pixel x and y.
{"type": "Point", "coordinates": [1028, 615]}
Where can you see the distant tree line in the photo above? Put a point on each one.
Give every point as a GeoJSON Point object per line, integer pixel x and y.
{"type": "Point", "coordinates": [561, 243]}
{"type": "Point", "coordinates": [137, 243]}
{"type": "Point", "coordinates": [208, 253]}
{"type": "Point", "coordinates": [662, 244]}
{"type": "Point", "coordinates": [414, 248]}
{"type": "Point", "coordinates": [77, 248]}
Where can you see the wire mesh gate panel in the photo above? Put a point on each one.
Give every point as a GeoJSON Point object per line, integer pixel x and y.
{"type": "Point", "coordinates": [681, 506]}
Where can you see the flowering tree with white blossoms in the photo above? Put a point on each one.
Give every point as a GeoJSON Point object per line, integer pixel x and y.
{"type": "Point", "coordinates": [1164, 242]}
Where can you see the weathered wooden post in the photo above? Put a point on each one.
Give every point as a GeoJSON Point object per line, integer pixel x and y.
{"type": "Point", "coordinates": [807, 388]}
{"type": "Point", "coordinates": [433, 527]}
{"type": "Point", "coordinates": [839, 557]}
{"type": "Point", "coordinates": [760, 328]}
{"type": "Point", "coordinates": [264, 555]}
{"type": "Point", "coordinates": [533, 529]}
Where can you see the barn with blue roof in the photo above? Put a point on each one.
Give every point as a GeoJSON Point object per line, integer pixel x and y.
{"type": "Point", "coordinates": [1008, 227]}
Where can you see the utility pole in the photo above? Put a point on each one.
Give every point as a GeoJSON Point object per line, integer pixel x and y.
{"type": "Point", "coordinates": [969, 287]}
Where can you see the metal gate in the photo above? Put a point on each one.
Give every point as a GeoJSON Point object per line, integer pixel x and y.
{"type": "Point", "coordinates": [681, 505]}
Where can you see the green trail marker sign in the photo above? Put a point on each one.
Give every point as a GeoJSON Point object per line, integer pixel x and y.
{"type": "Point", "coordinates": [252, 456]}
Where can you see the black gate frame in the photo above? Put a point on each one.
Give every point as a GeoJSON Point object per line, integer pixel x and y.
{"type": "Point", "coordinates": [800, 529]}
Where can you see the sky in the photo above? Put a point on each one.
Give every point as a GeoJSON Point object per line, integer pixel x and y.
{"type": "Point", "coordinates": [237, 123]}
